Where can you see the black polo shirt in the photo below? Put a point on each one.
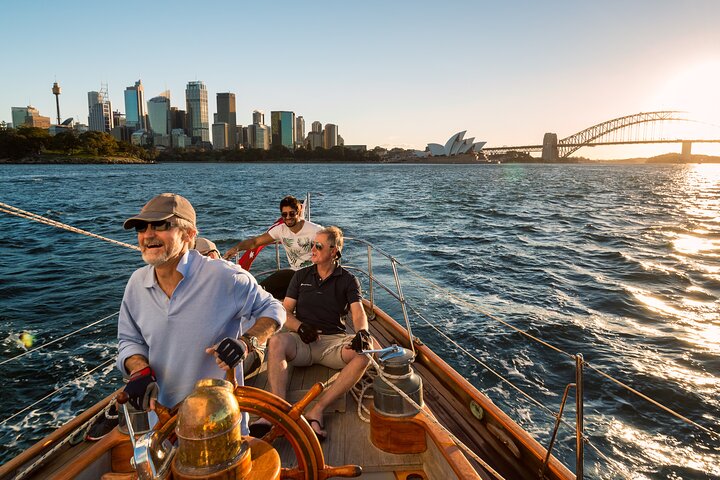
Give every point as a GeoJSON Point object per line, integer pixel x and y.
{"type": "Point", "coordinates": [321, 304]}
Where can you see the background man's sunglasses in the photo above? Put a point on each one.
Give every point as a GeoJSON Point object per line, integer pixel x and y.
{"type": "Point", "coordinates": [159, 226]}
{"type": "Point", "coordinates": [290, 214]}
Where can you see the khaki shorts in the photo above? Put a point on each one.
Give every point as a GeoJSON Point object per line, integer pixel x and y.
{"type": "Point", "coordinates": [326, 350]}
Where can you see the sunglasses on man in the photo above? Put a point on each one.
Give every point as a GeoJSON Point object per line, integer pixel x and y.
{"type": "Point", "coordinates": [290, 214]}
{"type": "Point", "coordinates": [158, 226]}
{"type": "Point", "coordinates": [319, 246]}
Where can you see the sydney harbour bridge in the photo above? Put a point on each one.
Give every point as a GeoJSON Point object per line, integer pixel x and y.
{"type": "Point", "coordinates": [640, 128]}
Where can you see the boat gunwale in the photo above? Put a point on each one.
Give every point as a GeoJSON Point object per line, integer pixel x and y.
{"type": "Point", "coordinates": [466, 392]}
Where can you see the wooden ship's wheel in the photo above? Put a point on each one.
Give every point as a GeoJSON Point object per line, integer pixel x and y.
{"type": "Point", "coordinates": [207, 429]}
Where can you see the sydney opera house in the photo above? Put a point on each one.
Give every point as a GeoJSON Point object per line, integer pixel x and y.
{"type": "Point", "coordinates": [456, 145]}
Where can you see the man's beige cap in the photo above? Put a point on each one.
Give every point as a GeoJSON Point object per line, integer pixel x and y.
{"type": "Point", "coordinates": [162, 207]}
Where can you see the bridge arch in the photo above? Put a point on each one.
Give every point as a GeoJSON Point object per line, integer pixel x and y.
{"type": "Point", "coordinates": [573, 143]}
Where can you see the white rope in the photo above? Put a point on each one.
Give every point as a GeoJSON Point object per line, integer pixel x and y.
{"type": "Point", "coordinates": [359, 393]}
{"type": "Point", "coordinates": [57, 339]}
{"type": "Point", "coordinates": [56, 391]}
{"type": "Point", "coordinates": [10, 210]}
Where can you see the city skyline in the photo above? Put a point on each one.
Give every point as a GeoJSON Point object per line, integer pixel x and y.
{"type": "Point", "coordinates": [400, 74]}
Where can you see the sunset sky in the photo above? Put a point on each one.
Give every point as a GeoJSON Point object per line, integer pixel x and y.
{"type": "Point", "coordinates": [390, 73]}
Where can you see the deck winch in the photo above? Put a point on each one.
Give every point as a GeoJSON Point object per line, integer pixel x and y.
{"type": "Point", "coordinates": [396, 374]}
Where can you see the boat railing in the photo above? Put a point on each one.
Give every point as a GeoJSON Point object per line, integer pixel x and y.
{"type": "Point", "coordinates": [580, 364]}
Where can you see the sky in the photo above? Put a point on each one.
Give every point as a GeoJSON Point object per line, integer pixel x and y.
{"type": "Point", "coordinates": [389, 73]}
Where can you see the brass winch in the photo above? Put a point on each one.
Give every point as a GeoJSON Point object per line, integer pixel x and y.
{"type": "Point", "coordinates": [209, 431]}
{"type": "Point", "coordinates": [395, 363]}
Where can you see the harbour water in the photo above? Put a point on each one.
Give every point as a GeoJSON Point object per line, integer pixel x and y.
{"type": "Point", "coordinates": [619, 263]}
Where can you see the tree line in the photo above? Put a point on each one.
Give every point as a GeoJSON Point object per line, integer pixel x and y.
{"type": "Point", "coordinates": [275, 154]}
{"type": "Point", "coordinates": [33, 142]}
{"type": "Point", "coordinates": [28, 142]}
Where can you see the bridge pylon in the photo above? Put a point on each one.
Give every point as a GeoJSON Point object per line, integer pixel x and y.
{"type": "Point", "coordinates": [550, 151]}
{"type": "Point", "coordinates": [686, 151]}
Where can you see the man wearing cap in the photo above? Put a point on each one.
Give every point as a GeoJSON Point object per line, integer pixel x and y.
{"type": "Point", "coordinates": [207, 248]}
{"type": "Point", "coordinates": [180, 317]}
{"type": "Point", "coordinates": [295, 233]}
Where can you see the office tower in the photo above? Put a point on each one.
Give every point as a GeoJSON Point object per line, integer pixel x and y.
{"type": "Point", "coordinates": [118, 118]}
{"type": "Point", "coordinates": [100, 116]}
{"type": "Point", "coordinates": [220, 133]}
{"type": "Point", "coordinates": [258, 136]}
{"type": "Point", "coordinates": [19, 114]}
{"type": "Point", "coordinates": [283, 129]}
{"type": "Point", "coordinates": [159, 114]}
{"type": "Point", "coordinates": [315, 140]}
{"type": "Point", "coordinates": [28, 117]}
{"type": "Point", "coordinates": [299, 131]}
{"type": "Point", "coordinates": [259, 117]}
{"type": "Point", "coordinates": [178, 119]}
{"type": "Point", "coordinates": [179, 139]}
{"type": "Point", "coordinates": [317, 127]}
{"type": "Point", "coordinates": [330, 135]}
{"type": "Point", "coordinates": [196, 101]}
{"type": "Point", "coordinates": [226, 114]}
{"type": "Point", "coordinates": [135, 107]}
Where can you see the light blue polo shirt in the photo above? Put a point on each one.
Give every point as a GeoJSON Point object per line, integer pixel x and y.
{"type": "Point", "coordinates": [208, 305]}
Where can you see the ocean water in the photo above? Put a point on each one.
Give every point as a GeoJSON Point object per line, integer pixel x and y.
{"type": "Point", "coordinates": [618, 263]}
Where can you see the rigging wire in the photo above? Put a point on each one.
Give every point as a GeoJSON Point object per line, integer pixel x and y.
{"type": "Point", "coordinates": [103, 365]}
{"type": "Point", "coordinates": [10, 210]}
{"type": "Point", "coordinates": [474, 307]}
{"type": "Point", "coordinates": [57, 339]}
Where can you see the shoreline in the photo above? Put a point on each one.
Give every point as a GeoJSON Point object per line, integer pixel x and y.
{"type": "Point", "coordinates": [668, 159]}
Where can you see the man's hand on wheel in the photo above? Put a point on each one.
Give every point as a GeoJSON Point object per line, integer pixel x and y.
{"type": "Point", "coordinates": [142, 389]}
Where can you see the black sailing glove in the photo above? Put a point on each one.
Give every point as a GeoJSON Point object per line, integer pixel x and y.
{"type": "Point", "coordinates": [142, 387]}
{"type": "Point", "coordinates": [361, 341]}
{"type": "Point", "coordinates": [307, 333]}
{"type": "Point", "coordinates": [231, 351]}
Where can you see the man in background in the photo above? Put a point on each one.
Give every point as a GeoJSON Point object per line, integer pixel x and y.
{"type": "Point", "coordinates": [207, 248]}
{"type": "Point", "coordinates": [296, 235]}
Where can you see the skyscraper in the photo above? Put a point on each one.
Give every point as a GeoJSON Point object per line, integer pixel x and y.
{"type": "Point", "coordinates": [197, 110]}
{"type": "Point", "coordinates": [283, 129]}
{"type": "Point", "coordinates": [100, 117]}
{"type": "Point", "coordinates": [29, 117]}
{"type": "Point", "coordinates": [317, 127]}
{"type": "Point", "coordinates": [259, 117]}
{"type": "Point", "coordinates": [299, 131]}
{"type": "Point", "coordinates": [159, 114]}
{"type": "Point", "coordinates": [330, 135]}
{"type": "Point", "coordinates": [226, 114]}
{"type": "Point", "coordinates": [135, 107]}
{"type": "Point", "coordinates": [178, 119]}
{"type": "Point", "coordinates": [258, 136]}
